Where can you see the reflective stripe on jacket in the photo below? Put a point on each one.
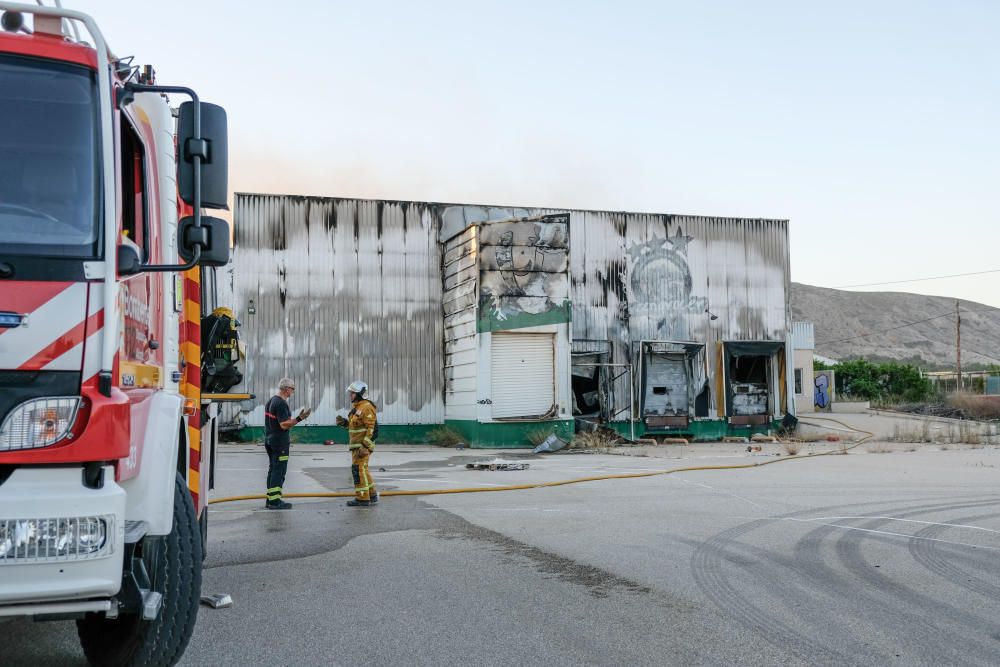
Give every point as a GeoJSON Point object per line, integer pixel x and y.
{"type": "Point", "coordinates": [361, 425]}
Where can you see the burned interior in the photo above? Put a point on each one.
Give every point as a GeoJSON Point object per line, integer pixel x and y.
{"type": "Point", "coordinates": [673, 383]}
{"type": "Point", "coordinates": [754, 380]}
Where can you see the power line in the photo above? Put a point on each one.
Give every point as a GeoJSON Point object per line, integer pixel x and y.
{"type": "Point", "coordinates": [873, 333]}
{"type": "Point", "coordinates": [966, 348]}
{"type": "Point", "coordinates": [917, 280]}
{"type": "Point", "coordinates": [907, 324]}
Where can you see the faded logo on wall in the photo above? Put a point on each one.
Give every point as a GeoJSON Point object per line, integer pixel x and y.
{"type": "Point", "coordinates": [660, 287]}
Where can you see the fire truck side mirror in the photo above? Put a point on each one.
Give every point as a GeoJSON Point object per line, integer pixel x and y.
{"type": "Point", "coordinates": [212, 146]}
{"type": "Point", "coordinates": [129, 261]}
{"type": "Point", "coordinates": [212, 236]}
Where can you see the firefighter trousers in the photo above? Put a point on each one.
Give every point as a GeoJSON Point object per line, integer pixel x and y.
{"type": "Point", "coordinates": [277, 466]}
{"type": "Point", "coordinates": [364, 487]}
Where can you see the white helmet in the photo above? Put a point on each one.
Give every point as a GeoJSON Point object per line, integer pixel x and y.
{"type": "Point", "coordinates": [358, 387]}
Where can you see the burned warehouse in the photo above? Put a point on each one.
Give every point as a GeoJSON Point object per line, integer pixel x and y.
{"type": "Point", "coordinates": [502, 323]}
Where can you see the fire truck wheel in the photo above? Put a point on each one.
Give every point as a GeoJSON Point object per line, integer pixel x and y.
{"type": "Point", "coordinates": [174, 566]}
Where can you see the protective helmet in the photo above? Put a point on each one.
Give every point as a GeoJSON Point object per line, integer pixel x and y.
{"type": "Point", "coordinates": [358, 387]}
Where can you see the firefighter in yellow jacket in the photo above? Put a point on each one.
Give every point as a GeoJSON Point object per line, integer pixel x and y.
{"type": "Point", "coordinates": [362, 429]}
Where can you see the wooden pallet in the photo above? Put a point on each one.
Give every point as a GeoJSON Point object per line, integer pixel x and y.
{"type": "Point", "coordinates": [497, 465]}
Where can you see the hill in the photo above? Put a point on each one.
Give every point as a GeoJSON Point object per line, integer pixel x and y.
{"type": "Point", "coordinates": [897, 326]}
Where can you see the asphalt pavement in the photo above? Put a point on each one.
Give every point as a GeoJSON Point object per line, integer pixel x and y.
{"type": "Point", "coordinates": [864, 558]}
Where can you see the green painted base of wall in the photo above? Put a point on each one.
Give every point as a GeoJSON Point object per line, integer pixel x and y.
{"type": "Point", "coordinates": [396, 434]}
{"type": "Point", "coordinates": [509, 435]}
{"type": "Point", "coordinates": [709, 430]}
{"type": "Point", "coordinates": [505, 435]}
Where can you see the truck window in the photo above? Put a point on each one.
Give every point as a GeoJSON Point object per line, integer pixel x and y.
{"type": "Point", "coordinates": [49, 203]}
{"type": "Point", "coordinates": [135, 224]}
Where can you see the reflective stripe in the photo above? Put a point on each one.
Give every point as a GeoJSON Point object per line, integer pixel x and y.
{"type": "Point", "coordinates": [274, 488]}
{"type": "Point", "coordinates": [282, 458]}
{"type": "Point", "coordinates": [369, 442]}
{"type": "Point", "coordinates": [357, 430]}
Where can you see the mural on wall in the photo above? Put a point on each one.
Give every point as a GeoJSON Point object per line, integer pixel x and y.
{"type": "Point", "coordinates": [660, 287]}
{"type": "Point", "coordinates": [524, 277]}
{"type": "Point", "coordinates": [823, 391]}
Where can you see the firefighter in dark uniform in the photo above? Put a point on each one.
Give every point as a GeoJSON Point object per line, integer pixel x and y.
{"type": "Point", "coordinates": [278, 420]}
{"type": "Point", "coordinates": [362, 429]}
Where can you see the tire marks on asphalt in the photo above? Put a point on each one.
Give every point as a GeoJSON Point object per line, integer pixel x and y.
{"type": "Point", "coordinates": [807, 588]}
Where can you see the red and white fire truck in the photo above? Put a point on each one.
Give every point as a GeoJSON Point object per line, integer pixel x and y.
{"type": "Point", "coordinates": [106, 268]}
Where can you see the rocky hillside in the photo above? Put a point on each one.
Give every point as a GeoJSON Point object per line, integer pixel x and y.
{"type": "Point", "coordinates": [902, 327]}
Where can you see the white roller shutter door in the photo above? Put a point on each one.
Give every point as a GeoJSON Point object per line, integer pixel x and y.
{"type": "Point", "coordinates": [523, 374]}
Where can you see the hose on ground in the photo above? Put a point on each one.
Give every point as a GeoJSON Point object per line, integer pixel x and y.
{"type": "Point", "coordinates": [576, 480]}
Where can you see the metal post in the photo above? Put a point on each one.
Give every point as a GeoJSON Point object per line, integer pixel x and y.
{"type": "Point", "coordinates": [958, 346]}
{"type": "Point", "coordinates": [631, 404]}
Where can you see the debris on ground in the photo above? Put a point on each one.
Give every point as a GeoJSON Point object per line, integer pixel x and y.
{"type": "Point", "coordinates": [739, 439]}
{"type": "Point", "coordinates": [497, 464]}
{"type": "Point", "coordinates": [217, 600]}
{"type": "Point", "coordinates": [553, 443]}
{"type": "Point", "coordinates": [760, 437]}
{"type": "Point", "coordinates": [958, 406]}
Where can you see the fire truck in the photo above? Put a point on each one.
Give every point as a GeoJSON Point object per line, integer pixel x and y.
{"type": "Point", "coordinates": [107, 264]}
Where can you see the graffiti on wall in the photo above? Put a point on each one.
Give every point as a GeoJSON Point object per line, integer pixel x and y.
{"type": "Point", "coordinates": [823, 391]}
{"type": "Point", "coordinates": [524, 268]}
{"type": "Point", "coordinates": [661, 288]}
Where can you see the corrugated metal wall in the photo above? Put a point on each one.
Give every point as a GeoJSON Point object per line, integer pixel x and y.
{"type": "Point", "coordinates": [343, 290]}
{"type": "Point", "coordinates": [662, 277]}
{"type": "Point", "coordinates": [803, 336]}
{"type": "Point", "coordinates": [353, 288]}
{"type": "Point", "coordinates": [460, 297]}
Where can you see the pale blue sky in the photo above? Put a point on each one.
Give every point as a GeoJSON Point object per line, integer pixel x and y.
{"type": "Point", "coordinates": [872, 126]}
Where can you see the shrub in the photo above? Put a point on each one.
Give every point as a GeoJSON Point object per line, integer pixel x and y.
{"type": "Point", "coordinates": [599, 439]}
{"type": "Point", "coordinates": [445, 437]}
{"type": "Point", "coordinates": [877, 382]}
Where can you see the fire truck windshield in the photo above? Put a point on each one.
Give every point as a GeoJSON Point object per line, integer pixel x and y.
{"type": "Point", "coordinates": [49, 153]}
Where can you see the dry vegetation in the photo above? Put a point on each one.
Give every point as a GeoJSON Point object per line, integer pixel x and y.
{"type": "Point", "coordinates": [975, 406]}
{"type": "Point", "coordinates": [600, 439]}
{"type": "Point", "coordinates": [792, 447]}
{"type": "Point", "coordinates": [445, 437]}
{"type": "Point", "coordinates": [942, 434]}
{"type": "Point", "coordinates": [878, 447]}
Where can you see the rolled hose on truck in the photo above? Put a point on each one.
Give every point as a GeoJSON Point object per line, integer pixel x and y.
{"type": "Point", "coordinates": [577, 480]}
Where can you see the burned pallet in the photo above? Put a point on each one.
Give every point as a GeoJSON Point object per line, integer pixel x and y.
{"type": "Point", "coordinates": [497, 464]}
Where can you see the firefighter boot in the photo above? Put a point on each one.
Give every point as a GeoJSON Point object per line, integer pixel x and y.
{"type": "Point", "coordinates": [278, 505]}
{"type": "Point", "coordinates": [354, 502]}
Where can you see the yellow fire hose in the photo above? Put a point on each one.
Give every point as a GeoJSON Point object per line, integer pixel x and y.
{"type": "Point", "coordinates": [577, 480]}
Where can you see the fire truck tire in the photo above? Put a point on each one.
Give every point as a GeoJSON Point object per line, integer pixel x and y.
{"type": "Point", "coordinates": [175, 572]}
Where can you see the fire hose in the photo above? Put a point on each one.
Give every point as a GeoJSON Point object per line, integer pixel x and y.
{"type": "Point", "coordinates": [576, 480]}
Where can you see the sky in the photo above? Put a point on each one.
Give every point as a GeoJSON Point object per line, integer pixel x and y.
{"type": "Point", "coordinates": [872, 126]}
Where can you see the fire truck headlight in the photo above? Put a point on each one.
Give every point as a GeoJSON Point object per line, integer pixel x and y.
{"type": "Point", "coordinates": [39, 422]}
{"type": "Point", "coordinates": [57, 539]}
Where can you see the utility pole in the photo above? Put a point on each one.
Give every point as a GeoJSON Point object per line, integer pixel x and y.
{"type": "Point", "coordinates": [958, 345]}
